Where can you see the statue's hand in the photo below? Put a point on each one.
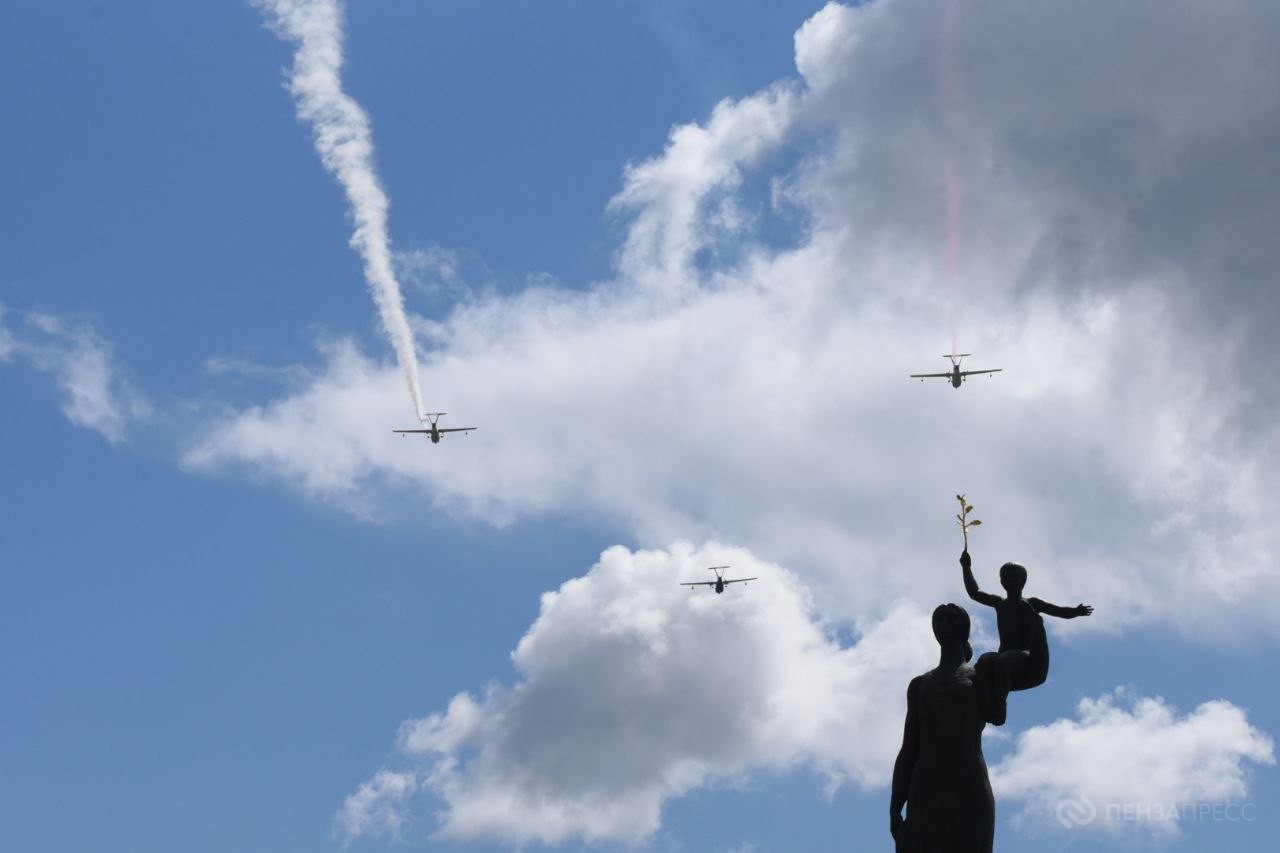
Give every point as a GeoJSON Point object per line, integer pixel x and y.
{"type": "Point", "coordinates": [895, 824]}
{"type": "Point", "coordinates": [965, 561]}
{"type": "Point", "coordinates": [1084, 610]}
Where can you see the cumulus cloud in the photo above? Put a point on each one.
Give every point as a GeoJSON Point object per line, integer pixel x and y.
{"type": "Point", "coordinates": [96, 394]}
{"type": "Point", "coordinates": [633, 690]}
{"type": "Point", "coordinates": [759, 397]}
{"type": "Point", "coordinates": [1169, 762]}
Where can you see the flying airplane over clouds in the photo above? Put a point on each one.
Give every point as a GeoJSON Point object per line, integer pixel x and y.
{"type": "Point", "coordinates": [720, 582]}
{"type": "Point", "coordinates": [434, 431]}
{"type": "Point", "coordinates": [956, 375]}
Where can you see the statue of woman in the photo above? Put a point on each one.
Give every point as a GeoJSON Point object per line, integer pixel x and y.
{"type": "Point", "coordinates": [940, 775]}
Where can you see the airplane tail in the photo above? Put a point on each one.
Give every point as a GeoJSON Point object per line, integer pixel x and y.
{"type": "Point", "coordinates": [958, 355]}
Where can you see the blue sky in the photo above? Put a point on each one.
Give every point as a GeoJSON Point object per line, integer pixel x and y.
{"type": "Point", "coordinates": [683, 324]}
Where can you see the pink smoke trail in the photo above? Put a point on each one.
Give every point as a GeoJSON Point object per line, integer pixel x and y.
{"type": "Point", "coordinates": [953, 188]}
{"type": "Point", "coordinates": [955, 235]}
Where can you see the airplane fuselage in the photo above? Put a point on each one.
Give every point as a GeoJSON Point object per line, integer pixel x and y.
{"type": "Point", "coordinates": [956, 378]}
{"type": "Point", "coordinates": [431, 429]}
{"type": "Point", "coordinates": [718, 585]}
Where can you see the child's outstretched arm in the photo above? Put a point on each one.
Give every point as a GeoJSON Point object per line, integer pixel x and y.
{"type": "Point", "coordinates": [1057, 610]}
{"type": "Point", "coordinates": [971, 585]}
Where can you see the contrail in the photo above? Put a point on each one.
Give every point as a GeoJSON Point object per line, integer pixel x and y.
{"type": "Point", "coordinates": [344, 141]}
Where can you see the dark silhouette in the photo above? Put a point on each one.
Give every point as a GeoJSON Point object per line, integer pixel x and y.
{"type": "Point", "coordinates": [1024, 648]}
{"type": "Point", "coordinates": [941, 775]}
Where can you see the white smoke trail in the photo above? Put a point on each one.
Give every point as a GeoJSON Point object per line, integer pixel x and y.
{"type": "Point", "coordinates": [344, 141]}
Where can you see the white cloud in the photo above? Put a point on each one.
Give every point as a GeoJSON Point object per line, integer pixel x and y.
{"type": "Point", "coordinates": [7, 344]}
{"type": "Point", "coordinates": [437, 271]}
{"type": "Point", "coordinates": [633, 690]}
{"type": "Point", "coordinates": [95, 393]}
{"type": "Point", "coordinates": [1121, 455]}
{"type": "Point", "coordinates": [1133, 764]}
{"type": "Point", "coordinates": [722, 418]}
{"type": "Point", "coordinates": [377, 808]}
{"type": "Point", "coordinates": [668, 193]}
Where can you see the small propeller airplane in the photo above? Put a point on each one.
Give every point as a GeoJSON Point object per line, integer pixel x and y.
{"type": "Point", "coordinates": [434, 431]}
{"type": "Point", "coordinates": [720, 582]}
{"type": "Point", "coordinates": [956, 375]}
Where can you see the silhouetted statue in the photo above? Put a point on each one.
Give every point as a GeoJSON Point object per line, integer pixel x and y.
{"type": "Point", "coordinates": [940, 775]}
{"type": "Point", "coordinates": [1024, 648]}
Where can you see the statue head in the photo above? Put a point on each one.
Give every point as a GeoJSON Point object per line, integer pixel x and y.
{"type": "Point", "coordinates": [951, 627]}
{"type": "Point", "coordinates": [1013, 578]}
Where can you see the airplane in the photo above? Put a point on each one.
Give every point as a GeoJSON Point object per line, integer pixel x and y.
{"type": "Point", "coordinates": [434, 432]}
{"type": "Point", "coordinates": [720, 582]}
{"type": "Point", "coordinates": [956, 375]}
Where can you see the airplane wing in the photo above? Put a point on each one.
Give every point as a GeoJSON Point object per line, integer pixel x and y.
{"type": "Point", "coordinates": [458, 429]}
{"type": "Point", "coordinates": [413, 430]}
{"type": "Point", "coordinates": [699, 583]}
{"type": "Point", "coordinates": [976, 372]}
{"type": "Point", "coordinates": [930, 375]}
{"type": "Point", "coordinates": [739, 580]}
